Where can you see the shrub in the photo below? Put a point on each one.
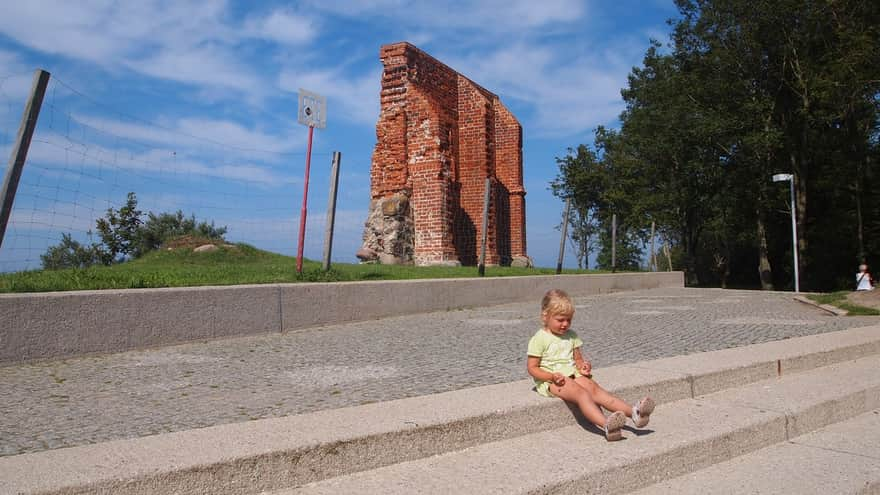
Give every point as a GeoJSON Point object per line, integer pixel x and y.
{"type": "Point", "coordinates": [125, 236]}
{"type": "Point", "coordinates": [72, 254]}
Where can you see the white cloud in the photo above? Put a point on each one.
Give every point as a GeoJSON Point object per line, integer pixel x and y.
{"type": "Point", "coordinates": [212, 136]}
{"type": "Point", "coordinates": [67, 28]}
{"type": "Point", "coordinates": [184, 41]}
{"type": "Point", "coordinates": [483, 15]}
{"type": "Point", "coordinates": [357, 97]}
{"type": "Point", "coordinates": [53, 150]}
{"type": "Point", "coordinates": [507, 15]}
{"type": "Point", "coordinates": [15, 81]}
{"type": "Point", "coordinates": [235, 134]}
{"type": "Point", "coordinates": [106, 32]}
{"type": "Point", "coordinates": [565, 87]}
{"type": "Point", "coordinates": [283, 27]}
{"type": "Point", "coordinates": [567, 94]}
{"type": "Point", "coordinates": [200, 66]}
{"type": "Point", "coordinates": [15, 87]}
{"type": "Point", "coordinates": [359, 7]}
{"type": "Point", "coordinates": [71, 218]}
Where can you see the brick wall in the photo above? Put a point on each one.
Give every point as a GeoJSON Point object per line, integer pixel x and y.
{"type": "Point", "coordinates": [438, 138]}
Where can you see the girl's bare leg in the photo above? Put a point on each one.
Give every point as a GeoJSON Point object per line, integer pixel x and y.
{"type": "Point", "coordinates": [602, 397]}
{"type": "Point", "coordinates": [579, 395]}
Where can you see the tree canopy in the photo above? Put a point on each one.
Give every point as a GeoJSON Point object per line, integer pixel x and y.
{"type": "Point", "coordinates": [742, 91]}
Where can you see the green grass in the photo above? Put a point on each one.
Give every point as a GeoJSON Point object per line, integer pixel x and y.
{"type": "Point", "coordinates": [242, 264]}
{"type": "Point", "coordinates": [838, 299]}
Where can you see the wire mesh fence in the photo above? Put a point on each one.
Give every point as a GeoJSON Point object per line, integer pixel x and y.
{"type": "Point", "coordinates": [85, 157]}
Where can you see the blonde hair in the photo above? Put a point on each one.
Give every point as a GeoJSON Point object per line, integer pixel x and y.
{"type": "Point", "coordinates": [557, 302]}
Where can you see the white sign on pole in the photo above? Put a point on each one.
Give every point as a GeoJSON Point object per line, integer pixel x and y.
{"type": "Point", "coordinates": [312, 109]}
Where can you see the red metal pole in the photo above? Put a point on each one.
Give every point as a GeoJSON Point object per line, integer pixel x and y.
{"type": "Point", "coordinates": [302, 214]}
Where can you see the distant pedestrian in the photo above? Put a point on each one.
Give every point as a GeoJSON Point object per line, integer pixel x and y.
{"type": "Point", "coordinates": [560, 370]}
{"type": "Point", "coordinates": [863, 278]}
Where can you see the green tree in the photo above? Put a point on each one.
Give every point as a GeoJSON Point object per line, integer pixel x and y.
{"type": "Point", "coordinates": [800, 82]}
{"type": "Point", "coordinates": [72, 254]}
{"type": "Point", "coordinates": [667, 149]}
{"type": "Point", "coordinates": [599, 191]}
{"type": "Point", "coordinates": [747, 89]}
{"type": "Point", "coordinates": [120, 230]}
{"type": "Point", "coordinates": [584, 228]}
{"type": "Point", "coordinates": [581, 179]}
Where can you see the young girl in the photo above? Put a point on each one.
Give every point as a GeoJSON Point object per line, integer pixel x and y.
{"type": "Point", "coordinates": [559, 369]}
{"type": "Point", "coordinates": [863, 278]}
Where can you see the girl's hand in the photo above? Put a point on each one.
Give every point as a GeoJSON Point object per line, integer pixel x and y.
{"type": "Point", "coordinates": [558, 379]}
{"type": "Point", "coordinates": [585, 368]}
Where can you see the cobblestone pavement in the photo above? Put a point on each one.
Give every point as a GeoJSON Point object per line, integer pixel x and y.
{"type": "Point", "coordinates": [71, 402]}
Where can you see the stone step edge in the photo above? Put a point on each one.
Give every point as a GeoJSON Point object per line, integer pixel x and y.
{"type": "Point", "coordinates": [842, 457]}
{"type": "Point", "coordinates": [834, 310]}
{"type": "Point", "coordinates": [684, 436]}
{"type": "Point", "coordinates": [281, 452]}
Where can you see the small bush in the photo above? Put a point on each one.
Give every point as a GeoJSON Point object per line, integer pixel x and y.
{"type": "Point", "coordinates": [71, 254]}
{"type": "Point", "coordinates": [124, 236]}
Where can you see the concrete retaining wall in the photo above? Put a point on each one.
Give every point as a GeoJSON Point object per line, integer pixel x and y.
{"type": "Point", "coordinates": [64, 324]}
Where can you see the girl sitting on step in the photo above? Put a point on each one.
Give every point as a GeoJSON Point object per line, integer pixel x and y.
{"type": "Point", "coordinates": [559, 369]}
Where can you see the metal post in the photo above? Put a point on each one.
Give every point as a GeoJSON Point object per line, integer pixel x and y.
{"type": "Point", "coordinates": [20, 150]}
{"type": "Point", "coordinates": [653, 260]}
{"type": "Point", "coordinates": [303, 211]}
{"type": "Point", "coordinates": [794, 244]}
{"type": "Point", "coordinates": [564, 235]}
{"type": "Point", "coordinates": [331, 208]}
{"type": "Point", "coordinates": [482, 266]}
{"type": "Point", "coordinates": [794, 239]}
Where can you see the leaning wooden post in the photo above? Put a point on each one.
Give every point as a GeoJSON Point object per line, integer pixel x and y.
{"type": "Point", "coordinates": [20, 148]}
{"type": "Point", "coordinates": [564, 235]}
{"type": "Point", "coordinates": [331, 208]}
{"type": "Point", "coordinates": [482, 266]}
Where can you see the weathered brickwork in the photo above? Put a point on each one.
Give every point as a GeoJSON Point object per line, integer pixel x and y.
{"type": "Point", "coordinates": [439, 137]}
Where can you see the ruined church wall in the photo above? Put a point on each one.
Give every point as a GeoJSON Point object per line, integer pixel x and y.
{"type": "Point", "coordinates": [509, 173]}
{"type": "Point", "coordinates": [476, 155]}
{"type": "Point", "coordinates": [436, 144]}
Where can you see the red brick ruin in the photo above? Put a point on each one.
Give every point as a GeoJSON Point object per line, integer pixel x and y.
{"type": "Point", "coordinates": [439, 137]}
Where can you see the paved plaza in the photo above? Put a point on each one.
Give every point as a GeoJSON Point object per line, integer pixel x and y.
{"type": "Point", "coordinates": [70, 402]}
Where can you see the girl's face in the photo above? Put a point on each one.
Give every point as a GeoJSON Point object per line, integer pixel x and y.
{"type": "Point", "coordinates": [557, 324]}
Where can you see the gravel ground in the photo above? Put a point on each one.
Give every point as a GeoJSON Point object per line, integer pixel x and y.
{"type": "Point", "coordinates": [70, 402]}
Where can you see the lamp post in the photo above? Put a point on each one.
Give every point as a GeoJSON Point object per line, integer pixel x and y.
{"type": "Point", "coordinates": [794, 246]}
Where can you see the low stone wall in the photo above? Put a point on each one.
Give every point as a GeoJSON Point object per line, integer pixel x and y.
{"type": "Point", "coordinates": [65, 324]}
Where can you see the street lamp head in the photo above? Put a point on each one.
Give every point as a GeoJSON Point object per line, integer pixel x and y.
{"type": "Point", "coordinates": [782, 177]}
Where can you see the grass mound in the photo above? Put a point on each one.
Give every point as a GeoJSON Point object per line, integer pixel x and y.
{"type": "Point", "coordinates": [176, 265]}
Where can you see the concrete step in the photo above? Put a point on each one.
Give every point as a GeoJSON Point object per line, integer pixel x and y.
{"type": "Point", "coordinates": [684, 436]}
{"type": "Point", "coordinates": [285, 452]}
{"type": "Point", "coordinates": [843, 458]}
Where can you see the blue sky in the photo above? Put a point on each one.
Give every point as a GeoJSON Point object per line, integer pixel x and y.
{"type": "Point", "coordinates": [192, 104]}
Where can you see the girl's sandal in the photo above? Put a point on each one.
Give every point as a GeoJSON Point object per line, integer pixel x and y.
{"type": "Point", "coordinates": [642, 412]}
{"type": "Point", "coordinates": [613, 424]}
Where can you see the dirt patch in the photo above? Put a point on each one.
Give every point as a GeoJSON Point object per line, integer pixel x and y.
{"type": "Point", "coordinates": [866, 298]}
{"type": "Point", "coordinates": [192, 242]}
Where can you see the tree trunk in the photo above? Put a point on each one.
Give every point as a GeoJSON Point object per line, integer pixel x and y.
{"type": "Point", "coordinates": [692, 279]}
{"type": "Point", "coordinates": [800, 169]}
{"type": "Point", "coordinates": [765, 273]}
{"type": "Point", "coordinates": [860, 232]}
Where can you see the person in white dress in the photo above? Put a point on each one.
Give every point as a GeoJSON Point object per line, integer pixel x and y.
{"type": "Point", "coordinates": [863, 279]}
